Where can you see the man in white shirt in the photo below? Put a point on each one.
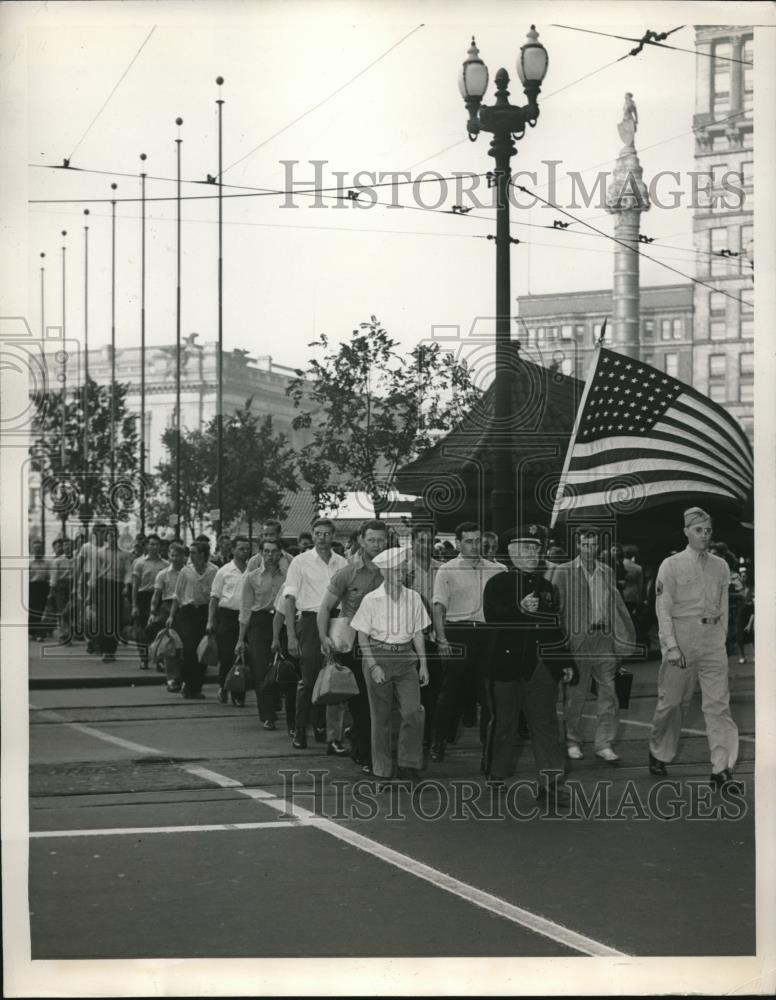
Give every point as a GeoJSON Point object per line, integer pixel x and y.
{"type": "Point", "coordinates": [390, 622]}
{"type": "Point", "coordinates": [145, 570]}
{"type": "Point", "coordinates": [598, 630]}
{"type": "Point", "coordinates": [224, 612]}
{"type": "Point", "coordinates": [189, 614]}
{"type": "Point", "coordinates": [306, 584]}
{"type": "Point", "coordinates": [459, 624]}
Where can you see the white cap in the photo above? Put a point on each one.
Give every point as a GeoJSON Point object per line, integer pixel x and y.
{"type": "Point", "coordinates": [391, 558]}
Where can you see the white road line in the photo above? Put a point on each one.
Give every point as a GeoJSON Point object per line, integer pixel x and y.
{"type": "Point", "coordinates": [217, 779]}
{"type": "Point", "coordinates": [469, 893]}
{"type": "Point", "coordinates": [689, 732]}
{"type": "Point", "coordinates": [143, 830]}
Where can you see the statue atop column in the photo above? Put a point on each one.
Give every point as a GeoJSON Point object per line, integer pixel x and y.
{"type": "Point", "coordinates": [630, 121]}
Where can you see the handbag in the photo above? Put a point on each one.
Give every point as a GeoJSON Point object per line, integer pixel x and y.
{"type": "Point", "coordinates": [238, 680]}
{"type": "Point", "coordinates": [280, 674]}
{"type": "Point", "coordinates": [207, 651]}
{"type": "Point", "coordinates": [342, 634]}
{"type": "Point", "coordinates": [335, 683]}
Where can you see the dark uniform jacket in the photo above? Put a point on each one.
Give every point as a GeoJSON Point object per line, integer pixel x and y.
{"type": "Point", "coordinates": [515, 637]}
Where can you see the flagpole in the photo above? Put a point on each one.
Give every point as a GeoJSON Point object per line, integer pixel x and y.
{"type": "Point", "coordinates": [577, 422]}
{"type": "Point", "coordinates": [142, 342]}
{"type": "Point", "coordinates": [220, 358]}
{"type": "Point", "coordinates": [178, 529]}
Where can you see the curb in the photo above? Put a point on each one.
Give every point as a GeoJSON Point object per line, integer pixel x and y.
{"type": "Point", "coordinates": [60, 683]}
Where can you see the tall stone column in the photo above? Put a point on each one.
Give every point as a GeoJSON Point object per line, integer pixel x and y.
{"type": "Point", "coordinates": [626, 199]}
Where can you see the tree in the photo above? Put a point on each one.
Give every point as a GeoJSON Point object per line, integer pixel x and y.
{"type": "Point", "coordinates": [74, 457]}
{"type": "Point", "coordinates": [373, 410]}
{"type": "Point", "coordinates": [259, 468]}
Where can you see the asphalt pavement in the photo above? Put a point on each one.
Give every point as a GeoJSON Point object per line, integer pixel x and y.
{"type": "Point", "coordinates": [184, 830]}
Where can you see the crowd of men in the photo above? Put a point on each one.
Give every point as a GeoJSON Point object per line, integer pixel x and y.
{"type": "Point", "coordinates": [488, 632]}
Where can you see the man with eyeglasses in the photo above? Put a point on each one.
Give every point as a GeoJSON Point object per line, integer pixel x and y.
{"type": "Point", "coordinates": [307, 582]}
{"type": "Point", "coordinates": [692, 611]}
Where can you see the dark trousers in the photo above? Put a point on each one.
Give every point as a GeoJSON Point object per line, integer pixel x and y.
{"type": "Point", "coordinates": [537, 698]}
{"type": "Point", "coordinates": [259, 644]}
{"type": "Point", "coordinates": [190, 624]}
{"type": "Point", "coordinates": [429, 695]}
{"type": "Point", "coordinates": [470, 645]}
{"type": "Point", "coordinates": [310, 662]}
{"type": "Point", "coordinates": [143, 611]}
{"type": "Point", "coordinates": [361, 735]}
{"type": "Point", "coordinates": [227, 633]}
{"type": "Point", "coordinates": [108, 611]}
{"type": "Point", "coordinates": [37, 595]}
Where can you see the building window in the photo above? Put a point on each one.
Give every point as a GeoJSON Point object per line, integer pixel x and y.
{"type": "Point", "coordinates": [567, 331]}
{"type": "Point", "coordinates": [746, 364]}
{"type": "Point", "coordinates": [567, 366]}
{"type": "Point", "coordinates": [718, 330]}
{"type": "Point", "coordinates": [717, 365]}
{"type": "Point", "coordinates": [665, 329]}
{"type": "Point", "coordinates": [540, 333]}
{"type": "Point", "coordinates": [746, 392]}
{"type": "Point", "coordinates": [649, 328]}
{"type": "Point", "coordinates": [717, 304]}
{"type": "Point", "coordinates": [676, 328]}
{"type": "Point", "coordinates": [748, 57]}
{"type": "Point", "coordinates": [718, 171]}
{"type": "Point", "coordinates": [717, 392]}
{"type": "Point", "coordinates": [747, 301]}
{"type": "Point", "coordinates": [531, 332]}
{"type": "Point", "coordinates": [579, 330]}
{"type": "Point", "coordinates": [552, 332]}
{"type": "Point", "coordinates": [717, 242]}
{"type": "Point", "coordinates": [721, 77]}
{"type": "Point", "coordinates": [747, 329]}
{"type": "Point", "coordinates": [671, 365]}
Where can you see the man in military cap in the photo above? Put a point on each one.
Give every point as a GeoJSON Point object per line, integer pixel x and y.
{"type": "Point", "coordinates": [599, 630]}
{"type": "Point", "coordinates": [691, 601]}
{"type": "Point", "coordinates": [521, 613]}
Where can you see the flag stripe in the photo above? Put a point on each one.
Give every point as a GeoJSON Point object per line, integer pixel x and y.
{"type": "Point", "coordinates": [704, 441]}
{"type": "Point", "coordinates": [693, 397]}
{"type": "Point", "coordinates": [621, 462]}
{"type": "Point", "coordinates": [720, 433]}
{"type": "Point", "coordinates": [619, 479]}
{"type": "Point", "coordinates": [651, 491]}
{"type": "Point", "coordinates": [670, 444]}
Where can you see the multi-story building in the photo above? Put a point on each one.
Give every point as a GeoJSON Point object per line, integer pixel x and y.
{"type": "Point", "coordinates": [701, 335]}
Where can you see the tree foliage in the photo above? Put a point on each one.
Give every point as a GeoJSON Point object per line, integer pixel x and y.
{"type": "Point", "coordinates": [373, 409]}
{"type": "Point", "coordinates": [73, 456]}
{"type": "Point", "coordinates": [258, 469]}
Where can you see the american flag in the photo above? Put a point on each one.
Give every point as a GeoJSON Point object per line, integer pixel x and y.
{"type": "Point", "coordinates": [641, 436]}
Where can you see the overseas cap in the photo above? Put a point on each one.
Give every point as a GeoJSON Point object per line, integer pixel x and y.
{"type": "Point", "coordinates": [391, 558]}
{"type": "Point", "coordinates": [695, 516]}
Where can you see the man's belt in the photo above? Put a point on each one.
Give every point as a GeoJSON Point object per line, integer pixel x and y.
{"type": "Point", "coordinates": [597, 627]}
{"type": "Point", "coordinates": [306, 614]}
{"type": "Point", "coordinates": [711, 621]}
{"type": "Point", "coordinates": [467, 624]}
{"type": "Point", "coordinates": [393, 647]}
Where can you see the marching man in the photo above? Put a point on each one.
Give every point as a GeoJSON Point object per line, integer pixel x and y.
{"type": "Point", "coordinates": [692, 612]}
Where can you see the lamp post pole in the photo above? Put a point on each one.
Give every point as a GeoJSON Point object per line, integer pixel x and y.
{"type": "Point", "coordinates": [178, 518]}
{"type": "Point", "coordinates": [506, 123]}
{"type": "Point", "coordinates": [142, 343]}
{"type": "Point", "coordinates": [220, 357]}
{"type": "Point", "coordinates": [113, 358]}
{"type": "Point", "coordinates": [42, 340]}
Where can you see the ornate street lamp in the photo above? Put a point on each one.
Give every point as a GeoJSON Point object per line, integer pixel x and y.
{"type": "Point", "coordinates": [506, 123]}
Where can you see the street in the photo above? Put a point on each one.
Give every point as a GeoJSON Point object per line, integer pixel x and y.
{"type": "Point", "coordinates": [184, 830]}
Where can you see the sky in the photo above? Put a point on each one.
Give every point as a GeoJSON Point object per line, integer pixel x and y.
{"type": "Point", "coordinates": [292, 273]}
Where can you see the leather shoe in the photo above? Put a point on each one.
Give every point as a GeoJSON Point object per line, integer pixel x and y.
{"type": "Point", "coordinates": [336, 749]}
{"type": "Point", "coordinates": [269, 725]}
{"type": "Point", "coordinates": [299, 742]}
{"type": "Point", "coordinates": [721, 779]}
{"type": "Point", "coordinates": [437, 752]}
{"type": "Point", "coordinates": [657, 767]}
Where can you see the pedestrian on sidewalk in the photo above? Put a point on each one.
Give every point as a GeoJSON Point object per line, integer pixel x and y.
{"type": "Point", "coordinates": [347, 589]}
{"type": "Point", "coordinates": [39, 582]}
{"type": "Point", "coordinates": [270, 532]}
{"type": "Point", "coordinates": [145, 570]}
{"type": "Point", "coordinates": [106, 595]}
{"type": "Point", "coordinates": [161, 602]}
{"type": "Point", "coordinates": [421, 574]}
{"type": "Point", "coordinates": [306, 584]}
{"type": "Point", "coordinates": [692, 613]}
{"type": "Point", "coordinates": [224, 612]}
{"type": "Point", "coordinates": [390, 622]}
{"type": "Point", "coordinates": [189, 614]}
{"type": "Point", "coordinates": [598, 630]}
{"type": "Point", "coordinates": [260, 589]}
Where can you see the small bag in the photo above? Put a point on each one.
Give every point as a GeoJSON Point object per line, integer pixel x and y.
{"type": "Point", "coordinates": [207, 651]}
{"type": "Point", "coordinates": [238, 680]}
{"type": "Point", "coordinates": [166, 645]}
{"type": "Point", "coordinates": [342, 634]}
{"type": "Point", "coordinates": [280, 674]}
{"type": "Point", "coordinates": [334, 684]}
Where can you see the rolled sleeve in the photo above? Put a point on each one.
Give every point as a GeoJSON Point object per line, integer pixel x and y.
{"type": "Point", "coordinates": [362, 619]}
{"type": "Point", "coordinates": [441, 588]}
{"type": "Point", "coordinates": [421, 618]}
{"type": "Point", "coordinates": [293, 579]}
{"type": "Point", "coordinates": [246, 599]}
{"type": "Point", "coordinates": [217, 587]}
{"type": "Point", "coordinates": [339, 583]}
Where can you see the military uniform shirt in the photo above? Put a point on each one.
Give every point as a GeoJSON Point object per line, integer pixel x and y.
{"type": "Point", "coordinates": [690, 585]}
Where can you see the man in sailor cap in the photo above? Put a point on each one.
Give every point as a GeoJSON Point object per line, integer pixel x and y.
{"type": "Point", "coordinates": [692, 611]}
